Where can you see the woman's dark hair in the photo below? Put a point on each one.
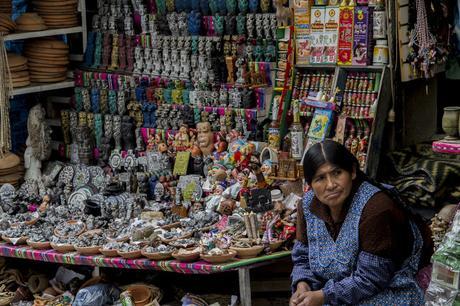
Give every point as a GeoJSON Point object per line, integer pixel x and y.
{"type": "Point", "coordinates": [331, 152]}
{"type": "Point", "coordinates": [336, 154]}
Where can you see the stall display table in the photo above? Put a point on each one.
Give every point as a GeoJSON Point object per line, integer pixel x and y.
{"type": "Point", "coordinates": [243, 266]}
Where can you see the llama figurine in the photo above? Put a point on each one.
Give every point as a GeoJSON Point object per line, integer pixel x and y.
{"type": "Point", "coordinates": [283, 14]}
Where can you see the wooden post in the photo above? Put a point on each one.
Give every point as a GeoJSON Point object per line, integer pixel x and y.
{"type": "Point", "coordinates": [244, 278]}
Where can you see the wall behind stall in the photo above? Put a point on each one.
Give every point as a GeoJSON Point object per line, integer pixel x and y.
{"type": "Point", "coordinates": [417, 119]}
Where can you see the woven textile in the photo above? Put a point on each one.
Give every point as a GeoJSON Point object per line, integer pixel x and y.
{"type": "Point", "coordinates": [425, 178]}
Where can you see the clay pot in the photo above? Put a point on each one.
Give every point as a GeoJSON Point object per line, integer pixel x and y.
{"type": "Point", "coordinates": [450, 121]}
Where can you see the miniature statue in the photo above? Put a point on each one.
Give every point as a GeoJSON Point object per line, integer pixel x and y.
{"type": "Point", "coordinates": [38, 142]}
{"type": "Point", "coordinates": [181, 140]}
{"type": "Point", "coordinates": [205, 138]}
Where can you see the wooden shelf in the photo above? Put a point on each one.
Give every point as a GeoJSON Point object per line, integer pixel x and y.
{"type": "Point", "coordinates": [36, 34]}
{"type": "Point", "coordinates": [41, 87]}
{"type": "Point", "coordinates": [332, 66]}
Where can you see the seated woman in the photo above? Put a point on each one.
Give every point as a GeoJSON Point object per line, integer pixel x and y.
{"type": "Point", "coordinates": [355, 245]}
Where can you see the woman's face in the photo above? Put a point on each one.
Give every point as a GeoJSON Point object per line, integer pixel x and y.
{"type": "Point", "coordinates": [332, 185]}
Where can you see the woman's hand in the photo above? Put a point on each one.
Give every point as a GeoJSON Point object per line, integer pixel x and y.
{"type": "Point", "coordinates": [296, 298]}
{"type": "Point", "coordinates": [307, 298]}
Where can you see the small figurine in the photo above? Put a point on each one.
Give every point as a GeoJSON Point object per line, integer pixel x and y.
{"type": "Point", "coordinates": [181, 139]}
{"type": "Point", "coordinates": [205, 138]}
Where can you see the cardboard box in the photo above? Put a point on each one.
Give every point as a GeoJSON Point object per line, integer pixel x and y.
{"type": "Point", "coordinates": [302, 16]}
{"type": "Point", "coordinates": [317, 34]}
{"type": "Point", "coordinates": [331, 35]}
{"type": "Point", "coordinates": [362, 36]}
{"type": "Point", "coordinates": [345, 44]}
{"type": "Point", "coordinates": [303, 45]}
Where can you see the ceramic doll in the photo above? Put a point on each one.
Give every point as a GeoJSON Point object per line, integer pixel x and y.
{"type": "Point", "coordinates": [213, 200]}
{"type": "Point", "coordinates": [205, 138]}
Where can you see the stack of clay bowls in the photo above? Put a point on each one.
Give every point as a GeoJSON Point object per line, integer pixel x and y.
{"type": "Point", "coordinates": [19, 70]}
{"type": "Point", "coordinates": [6, 24]}
{"type": "Point", "coordinates": [58, 13]}
{"type": "Point", "coordinates": [6, 7]}
{"type": "Point", "coordinates": [48, 60]}
{"type": "Point", "coordinates": [29, 22]}
{"type": "Point", "coordinates": [11, 170]}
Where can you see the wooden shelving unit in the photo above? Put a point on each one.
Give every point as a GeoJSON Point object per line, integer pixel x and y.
{"type": "Point", "coordinates": [45, 33]}
{"type": "Point", "coordinates": [382, 107]}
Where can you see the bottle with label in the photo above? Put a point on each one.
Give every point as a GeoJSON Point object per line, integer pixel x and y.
{"type": "Point", "coordinates": [296, 133]}
{"type": "Point", "coordinates": [274, 128]}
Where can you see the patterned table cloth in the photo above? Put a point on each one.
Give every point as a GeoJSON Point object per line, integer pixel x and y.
{"type": "Point", "coordinates": [200, 267]}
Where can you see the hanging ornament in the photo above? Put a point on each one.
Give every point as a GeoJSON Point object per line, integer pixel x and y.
{"type": "Point", "coordinates": [5, 90]}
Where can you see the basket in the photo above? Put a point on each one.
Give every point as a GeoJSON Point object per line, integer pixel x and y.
{"type": "Point", "coordinates": [157, 256]}
{"type": "Point", "coordinates": [108, 253]}
{"type": "Point", "coordinates": [186, 257]}
{"type": "Point", "coordinates": [245, 253]}
{"type": "Point", "coordinates": [56, 232]}
{"type": "Point", "coordinates": [130, 255]}
{"type": "Point", "coordinates": [141, 294]}
{"type": "Point", "coordinates": [92, 250]}
{"type": "Point", "coordinates": [219, 258]}
{"type": "Point", "coordinates": [62, 248]}
{"type": "Point", "coordinates": [15, 241]}
{"type": "Point", "coordinates": [39, 245]}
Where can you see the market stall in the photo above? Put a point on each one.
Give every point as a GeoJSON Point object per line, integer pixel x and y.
{"type": "Point", "coordinates": [183, 129]}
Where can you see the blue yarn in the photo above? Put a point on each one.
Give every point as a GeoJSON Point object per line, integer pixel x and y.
{"type": "Point", "coordinates": [204, 6]}
{"type": "Point", "coordinates": [140, 94]}
{"type": "Point", "coordinates": [253, 6]}
{"type": "Point", "coordinates": [213, 6]}
{"type": "Point", "coordinates": [89, 52]}
{"type": "Point", "coordinates": [194, 23]}
{"type": "Point", "coordinates": [195, 5]}
{"type": "Point", "coordinates": [222, 7]}
{"type": "Point", "coordinates": [95, 100]}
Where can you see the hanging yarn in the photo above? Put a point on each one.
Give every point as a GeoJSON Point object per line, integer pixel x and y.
{"type": "Point", "coordinates": [5, 90]}
{"type": "Point", "coordinates": [424, 57]}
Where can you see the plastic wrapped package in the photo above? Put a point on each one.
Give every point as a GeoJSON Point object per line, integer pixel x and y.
{"type": "Point", "coordinates": [100, 294]}
{"type": "Point", "coordinates": [438, 295]}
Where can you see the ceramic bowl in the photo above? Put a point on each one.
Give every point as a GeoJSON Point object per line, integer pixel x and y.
{"type": "Point", "coordinates": [130, 255]}
{"type": "Point", "coordinates": [275, 245]}
{"type": "Point", "coordinates": [157, 256]}
{"type": "Point", "coordinates": [39, 245]}
{"type": "Point", "coordinates": [186, 257]}
{"type": "Point", "coordinates": [62, 247]}
{"type": "Point", "coordinates": [108, 252]}
{"type": "Point", "coordinates": [56, 232]}
{"type": "Point", "coordinates": [15, 241]}
{"type": "Point", "coordinates": [251, 252]}
{"type": "Point", "coordinates": [219, 258]}
{"type": "Point", "coordinates": [92, 250]}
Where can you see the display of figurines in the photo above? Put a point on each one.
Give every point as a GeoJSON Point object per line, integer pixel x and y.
{"type": "Point", "coordinates": [38, 142]}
